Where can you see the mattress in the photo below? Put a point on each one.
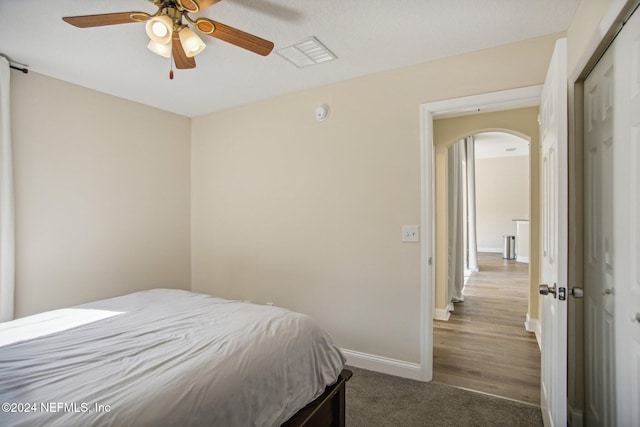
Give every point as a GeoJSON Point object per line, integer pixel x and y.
{"type": "Point", "coordinates": [163, 358]}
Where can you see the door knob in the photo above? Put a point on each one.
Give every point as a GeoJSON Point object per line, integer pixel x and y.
{"type": "Point", "coordinates": [608, 291]}
{"type": "Point", "coordinates": [635, 317]}
{"type": "Point", "coordinates": [546, 290]}
{"type": "Point", "coordinates": [577, 292]}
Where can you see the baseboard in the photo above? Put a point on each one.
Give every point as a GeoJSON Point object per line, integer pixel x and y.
{"type": "Point", "coordinates": [575, 417]}
{"type": "Point", "coordinates": [530, 324]}
{"type": "Point", "coordinates": [384, 365]}
{"type": "Point", "coordinates": [443, 313]}
{"type": "Point", "coordinates": [533, 325]}
{"type": "Point", "coordinates": [491, 250]}
{"type": "Point", "coordinates": [522, 259]}
{"type": "Point", "coordinates": [538, 332]}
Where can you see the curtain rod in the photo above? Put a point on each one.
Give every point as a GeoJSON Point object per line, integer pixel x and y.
{"type": "Point", "coordinates": [15, 65]}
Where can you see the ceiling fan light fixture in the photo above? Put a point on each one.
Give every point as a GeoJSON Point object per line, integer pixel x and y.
{"type": "Point", "coordinates": [191, 43]}
{"type": "Point", "coordinates": [162, 49]}
{"type": "Point", "coordinates": [159, 29]}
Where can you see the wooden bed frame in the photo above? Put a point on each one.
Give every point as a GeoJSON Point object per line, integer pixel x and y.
{"type": "Point", "coordinates": [328, 410]}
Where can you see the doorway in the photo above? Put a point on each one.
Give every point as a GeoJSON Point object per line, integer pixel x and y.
{"type": "Point", "coordinates": [483, 345]}
{"type": "Point", "coordinates": [511, 103]}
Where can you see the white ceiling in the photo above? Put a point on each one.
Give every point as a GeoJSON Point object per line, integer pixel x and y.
{"type": "Point", "coordinates": [499, 144]}
{"type": "Point", "coordinates": [368, 36]}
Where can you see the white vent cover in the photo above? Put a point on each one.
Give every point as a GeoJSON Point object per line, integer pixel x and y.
{"type": "Point", "coordinates": [307, 52]}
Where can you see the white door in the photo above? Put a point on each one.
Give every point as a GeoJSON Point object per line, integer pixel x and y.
{"type": "Point", "coordinates": [612, 234]}
{"type": "Point", "coordinates": [599, 284]}
{"type": "Point", "coordinates": [553, 319]}
{"type": "Point", "coordinates": [626, 218]}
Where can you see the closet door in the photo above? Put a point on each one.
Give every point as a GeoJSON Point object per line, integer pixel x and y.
{"type": "Point", "coordinates": [599, 286]}
{"type": "Point", "coordinates": [626, 220]}
{"type": "Point", "coordinates": [612, 233]}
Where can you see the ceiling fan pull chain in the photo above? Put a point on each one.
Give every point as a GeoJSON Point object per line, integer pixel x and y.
{"type": "Point", "coordinates": [171, 67]}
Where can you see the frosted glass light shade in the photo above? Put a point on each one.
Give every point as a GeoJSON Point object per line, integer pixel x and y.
{"type": "Point", "coordinates": [191, 43]}
{"type": "Point", "coordinates": [159, 29]}
{"type": "Point", "coordinates": [162, 49]}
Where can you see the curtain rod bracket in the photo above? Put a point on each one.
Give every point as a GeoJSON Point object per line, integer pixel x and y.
{"type": "Point", "coordinates": [15, 65]}
{"type": "Point", "coordinates": [24, 70]}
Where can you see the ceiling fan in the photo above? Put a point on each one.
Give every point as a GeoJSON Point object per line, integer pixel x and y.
{"type": "Point", "coordinates": [170, 36]}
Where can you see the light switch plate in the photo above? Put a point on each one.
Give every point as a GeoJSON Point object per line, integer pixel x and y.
{"type": "Point", "coordinates": [410, 233]}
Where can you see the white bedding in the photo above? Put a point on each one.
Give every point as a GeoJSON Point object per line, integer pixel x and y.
{"type": "Point", "coordinates": [165, 358]}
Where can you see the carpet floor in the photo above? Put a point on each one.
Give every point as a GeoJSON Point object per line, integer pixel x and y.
{"type": "Point", "coordinates": [375, 399]}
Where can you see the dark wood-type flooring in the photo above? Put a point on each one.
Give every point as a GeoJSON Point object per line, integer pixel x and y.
{"type": "Point", "coordinates": [484, 345]}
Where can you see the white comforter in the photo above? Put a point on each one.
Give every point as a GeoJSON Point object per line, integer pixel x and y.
{"type": "Point", "coordinates": [164, 358]}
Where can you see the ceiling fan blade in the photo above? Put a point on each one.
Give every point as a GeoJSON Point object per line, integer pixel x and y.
{"type": "Point", "coordinates": [194, 6]}
{"type": "Point", "coordinates": [234, 36]}
{"type": "Point", "coordinates": [88, 21]}
{"type": "Point", "coordinates": [181, 60]}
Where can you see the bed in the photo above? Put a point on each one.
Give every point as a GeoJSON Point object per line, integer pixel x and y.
{"type": "Point", "coordinates": [170, 358]}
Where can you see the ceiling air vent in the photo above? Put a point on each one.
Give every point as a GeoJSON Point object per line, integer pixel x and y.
{"type": "Point", "coordinates": [306, 53]}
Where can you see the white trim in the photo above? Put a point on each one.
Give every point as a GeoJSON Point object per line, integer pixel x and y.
{"type": "Point", "coordinates": [382, 364]}
{"type": "Point", "coordinates": [505, 99]}
{"type": "Point", "coordinates": [538, 332]}
{"type": "Point", "coordinates": [427, 244]}
{"type": "Point", "coordinates": [441, 314]}
{"type": "Point", "coordinates": [530, 324]}
{"type": "Point", "coordinates": [575, 416]}
{"type": "Point", "coordinates": [491, 250]}
{"type": "Point", "coordinates": [522, 259]}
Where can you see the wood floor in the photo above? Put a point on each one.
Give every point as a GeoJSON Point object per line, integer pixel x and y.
{"type": "Point", "coordinates": [484, 345]}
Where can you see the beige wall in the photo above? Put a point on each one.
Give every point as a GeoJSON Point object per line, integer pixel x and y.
{"type": "Point", "coordinates": [584, 28]}
{"type": "Point", "coordinates": [308, 214]}
{"type": "Point", "coordinates": [502, 195]}
{"type": "Point", "coordinates": [102, 195]}
{"type": "Point", "coordinates": [522, 122]}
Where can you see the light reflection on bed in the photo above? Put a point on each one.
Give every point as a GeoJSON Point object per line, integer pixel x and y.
{"type": "Point", "coordinates": [49, 322]}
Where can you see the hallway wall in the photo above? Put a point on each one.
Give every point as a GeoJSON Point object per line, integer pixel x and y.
{"type": "Point", "coordinates": [502, 195]}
